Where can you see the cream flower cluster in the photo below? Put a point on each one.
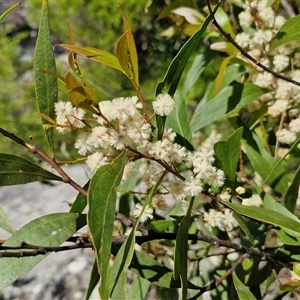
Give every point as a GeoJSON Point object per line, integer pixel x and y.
{"type": "Point", "coordinates": [120, 124]}
{"type": "Point", "coordinates": [260, 25]}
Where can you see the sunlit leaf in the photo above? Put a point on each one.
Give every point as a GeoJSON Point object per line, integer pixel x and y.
{"type": "Point", "coordinates": [17, 170]}
{"type": "Point", "coordinates": [176, 68]}
{"type": "Point", "coordinates": [133, 57]}
{"type": "Point", "coordinates": [139, 288]}
{"type": "Point", "coordinates": [289, 32]}
{"type": "Point", "coordinates": [224, 103]}
{"type": "Point", "coordinates": [80, 96]}
{"type": "Point", "coordinates": [179, 122]}
{"type": "Point", "coordinates": [46, 85]}
{"type": "Point", "coordinates": [242, 290]}
{"type": "Point", "coordinates": [47, 231]}
{"type": "Point", "coordinates": [123, 56]}
{"type": "Point", "coordinates": [268, 216]}
{"type": "Point", "coordinates": [96, 54]}
{"type": "Point", "coordinates": [102, 196]}
{"type": "Point", "coordinates": [199, 64]}
{"type": "Point", "coordinates": [9, 11]}
{"type": "Point", "coordinates": [291, 195]}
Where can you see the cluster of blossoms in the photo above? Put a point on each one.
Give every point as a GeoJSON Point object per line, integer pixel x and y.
{"type": "Point", "coordinates": [260, 25]}
{"type": "Point", "coordinates": [120, 124]}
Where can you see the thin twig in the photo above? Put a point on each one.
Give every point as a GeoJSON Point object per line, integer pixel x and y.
{"type": "Point", "coordinates": [36, 150]}
{"type": "Point", "coordinates": [245, 53]}
{"type": "Point", "coordinates": [211, 286]}
{"type": "Point", "coordinates": [85, 242]}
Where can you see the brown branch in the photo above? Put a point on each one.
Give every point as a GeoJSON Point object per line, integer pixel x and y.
{"type": "Point", "coordinates": [85, 242]}
{"type": "Point", "coordinates": [245, 53]}
{"type": "Point", "coordinates": [36, 150]}
{"type": "Point", "coordinates": [211, 286]}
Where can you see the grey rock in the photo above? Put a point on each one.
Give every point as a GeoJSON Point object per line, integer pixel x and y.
{"type": "Point", "coordinates": [63, 275]}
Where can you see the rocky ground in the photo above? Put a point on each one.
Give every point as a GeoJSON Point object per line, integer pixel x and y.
{"type": "Point", "coordinates": [63, 275]}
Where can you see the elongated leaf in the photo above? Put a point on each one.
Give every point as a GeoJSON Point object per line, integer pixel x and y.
{"type": "Point", "coordinates": [161, 225]}
{"type": "Point", "coordinates": [80, 96]}
{"type": "Point", "coordinates": [221, 73]}
{"type": "Point", "coordinates": [264, 166]}
{"type": "Point", "coordinates": [176, 68]}
{"type": "Point", "coordinates": [244, 227]}
{"type": "Point", "coordinates": [139, 289]}
{"type": "Point", "coordinates": [48, 231]}
{"type": "Point", "coordinates": [271, 204]}
{"type": "Point", "coordinates": [46, 85]}
{"type": "Point", "coordinates": [275, 218]}
{"type": "Point", "coordinates": [179, 122]}
{"type": "Point", "coordinates": [227, 155]}
{"type": "Point", "coordinates": [95, 278]}
{"type": "Point", "coordinates": [124, 57]}
{"type": "Point", "coordinates": [102, 196]}
{"type": "Point", "coordinates": [95, 54]}
{"type": "Point", "coordinates": [5, 222]}
{"type": "Point", "coordinates": [242, 290]}
{"type": "Point", "coordinates": [9, 11]}
{"type": "Point", "coordinates": [17, 170]}
{"type": "Point", "coordinates": [198, 66]}
{"type": "Point", "coordinates": [133, 62]}
{"type": "Point", "coordinates": [181, 250]}
{"type": "Point", "coordinates": [291, 195]}
{"type": "Point", "coordinates": [229, 99]}
{"type": "Point", "coordinates": [287, 33]}
{"type": "Point", "coordinates": [150, 269]}
{"type": "Point", "coordinates": [80, 202]}
{"type": "Point", "coordinates": [118, 277]}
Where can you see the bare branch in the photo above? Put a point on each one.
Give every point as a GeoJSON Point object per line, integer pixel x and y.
{"type": "Point", "coordinates": [36, 150]}
{"type": "Point", "coordinates": [245, 53]}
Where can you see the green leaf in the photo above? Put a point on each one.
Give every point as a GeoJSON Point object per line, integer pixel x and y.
{"type": "Point", "coordinates": [48, 231]}
{"type": "Point", "coordinates": [161, 225]}
{"type": "Point", "coordinates": [291, 195]}
{"type": "Point", "coordinates": [221, 73]}
{"type": "Point", "coordinates": [46, 85]}
{"type": "Point", "coordinates": [81, 96]}
{"type": "Point", "coordinates": [95, 278]}
{"type": "Point", "coordinates": [264, 164]}
{"type": "Point", "coordinates": [150, 269]}
{"type": "Point", "coordinates": [80, 202]}
{"type": "Point", "coordinates": [271, 204]}
{"type": "Point", "coordinates": [9, 11]}
{"type": "Point", "coordinates": [100, 56]}
{"type": "Point", "coordinates": [123, 56]}
{"type": "Point", "coordinates": [102, 195]}
{"type": "Point", "coordinates": [181, 251]}
{"type": "Point", "coordinates": [199, 64]}
{"type": "Point", "coordinates": [176, 68]}
{"type": "Point", "coordinates": [275, 218]}
{"type": "Point", "coordinates": [242, 290]}
{"type": "Point", "coordinates": [287, 33]}
{"type": "Point", "coordinates": [17, 170]}
{"type": "Point", "coordinates": [244, 227]}
{"type": "Point", "coordinates": [118, 279]}
{"type": "Point", "coordinates": [5, 222]}
{"type": "Point", "coordinates": [227, 155]}
{"type": "Point", "coordinates": [285, 238]}
{"type": "Point", "coordinates": [139, 289]}
{"type": "Point", "coordinates": [178, 121]}
{"type": "Point", "coordinates": [224, 103]}
{"type": "Point", "coordinates": [133, 57]}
